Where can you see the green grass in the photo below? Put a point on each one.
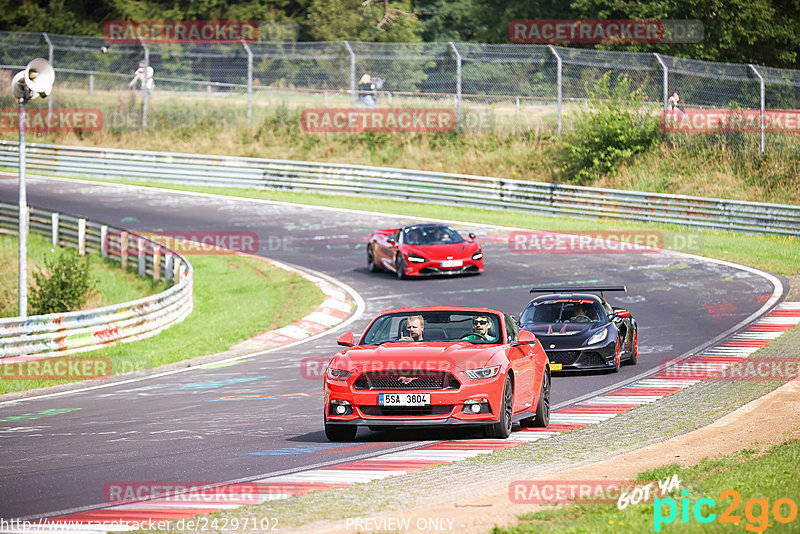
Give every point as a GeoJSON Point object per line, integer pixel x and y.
{"type": "Point", "coordinates": [235, 298]}
{"type": "Point", "coordinates": [755, 475]}
{"type": "Point", "coordinates": [776, 254]}
{"type": "Point", "coordinates": [112, 287]}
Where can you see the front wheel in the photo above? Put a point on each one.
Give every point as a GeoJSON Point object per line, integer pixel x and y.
{"type": "Point", "coordinates": [400, 266]}
{"type": "Point", "coordinates": [634, 359]}
{"type": "Point", "coordinates": [340, 432]}
{"type": "Point", "coordinates": [615, 369]}
{"type": "Point", "coordinates": [502, 429]}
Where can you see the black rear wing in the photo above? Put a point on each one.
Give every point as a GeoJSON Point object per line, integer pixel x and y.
{"type": "Point", "coordinates": [577, 289]}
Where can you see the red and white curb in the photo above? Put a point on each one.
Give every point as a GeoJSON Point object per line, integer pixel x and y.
{"type": "Point", "coordinates": [590, 411]}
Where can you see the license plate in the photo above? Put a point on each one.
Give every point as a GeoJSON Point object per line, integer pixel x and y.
{"type": "Point", "coordinates": [404, 399]}
{"type": "Point", "coordinates": [555, 366]}
{"type": "Point", "coordinates": [452, 263]}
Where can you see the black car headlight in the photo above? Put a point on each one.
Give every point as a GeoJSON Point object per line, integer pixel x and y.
{"type": "Point", "coordinates": [486, 372]}
{"type": "Point", "coordinates": [478, 255]}
{"type": "Point", "coordinates": [416, 258]}
{"type": "Point", "coordinates": [338, 374]}
{"type": "Point", "coordinates": [597, 337]}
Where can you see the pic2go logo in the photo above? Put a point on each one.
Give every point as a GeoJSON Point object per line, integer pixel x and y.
{"type": "Point", "coordinates": [756, 511]}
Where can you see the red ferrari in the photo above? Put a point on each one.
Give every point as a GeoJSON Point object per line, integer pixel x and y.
{"type": "Point", "coordinates": [423, 250]}
{"type": "Point", "coordinates": [437, 366]}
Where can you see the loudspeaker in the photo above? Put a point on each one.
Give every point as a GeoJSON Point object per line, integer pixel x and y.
{"type": "Point", "coordinates": [38, 77]}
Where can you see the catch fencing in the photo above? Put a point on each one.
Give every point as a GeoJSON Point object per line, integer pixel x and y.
{"type": "Point", "coordinates": [59, 334]}
{"type": "Point", "coordinates": [490, 86]}
{"type": "Point", "coordinates": [400, 184]}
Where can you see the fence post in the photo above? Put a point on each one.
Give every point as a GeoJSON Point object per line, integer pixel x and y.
{"type": "Point", "coordinates": [157, 263]}
{"type": "Point", "coordinates": [352, 75]}
{"type": "Point", "coordinates": [169, 259]}
{"type": "Point", "coordinates": [763, 106]}
{"type": "Point", "coordinates": [50, 59]}
{"type": "Point", "coordinates": [91, 84]}
{"type": "Point", "coordinates": [665, 70]}
{"type": "Point", "coordinates": [559, 67]}
{"type": "Point", "coordinates": [54, 228]}
{"type": "Point", "coordinates": [82, 237]}
{"type": "Point", "coordinates": [141, 256]}
{"type": "Point", "coordinates": [249, 82]}
{"type": "Point", "coordinates": [144, 82]}
{"type": "Point", "coordinates": [458, 84]}
{"type": "Point", "coordinates": [123, 250]}
{"type": "Point", "coordinates": [104, 241]}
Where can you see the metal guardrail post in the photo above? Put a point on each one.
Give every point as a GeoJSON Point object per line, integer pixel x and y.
{"type": "Point", "coordinates": [104, 241]}
{"type": "Point", "coordinates": [23, 216]}
{"type": "Point", "coordinates": [50, 59]}
{"type": "Point", "coordinates": [249, 82]}
{"type": "Point", "coordinates": [140, 251]}
{"type": "Point", "coordinates": [82, 237]}
{"type": "Point", "coordinates": [559, 74]}
{"type": "Point", "coordinates": [458, 84]}
{"type": "Point", "coordinates": [763, 107]}
{"type": "Point", "coordinates": [665, 70]}
{"type": "Point", "coordinates": [353, 86]}
{"type": "Point", "coordinates": [54, 228]}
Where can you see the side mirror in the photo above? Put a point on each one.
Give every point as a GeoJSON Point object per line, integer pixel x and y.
{"type": "Point", "coordinates": [525, 337]}
{"type": "Point", "coordinates": [471, 236]}
{"type": "Point", "coordinates": [391, 241]}
{"type": "Point", "coordinates": [346, 339]}
{"type": "Point", "coordinates": [622, 314]}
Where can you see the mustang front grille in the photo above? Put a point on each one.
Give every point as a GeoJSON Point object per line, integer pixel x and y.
{"type": "Point", "coordinates": [439, 409]}
{"type": "Point", "coordinates": [406, 380]}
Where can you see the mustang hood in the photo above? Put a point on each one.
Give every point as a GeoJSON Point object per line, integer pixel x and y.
{"type": "Point", "coordinates": [420, 356]}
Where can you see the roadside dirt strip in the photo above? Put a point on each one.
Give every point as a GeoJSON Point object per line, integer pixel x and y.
{"type": "Point", "coordinates": [669, 379]}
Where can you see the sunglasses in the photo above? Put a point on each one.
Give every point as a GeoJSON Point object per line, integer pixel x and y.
{"type": "Point", "coordinates": [480, 321]}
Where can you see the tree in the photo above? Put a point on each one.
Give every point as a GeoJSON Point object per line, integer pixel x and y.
{"type": "Point", "coordinates": [362, 20]}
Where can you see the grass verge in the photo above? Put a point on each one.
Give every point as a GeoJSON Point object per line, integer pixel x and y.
{"type": "Point", "coordinates": [258, 295]}
{"type": "Point", "coordinates": [113, 286]}
{"type": "Point", "coordinates": [757, 480]}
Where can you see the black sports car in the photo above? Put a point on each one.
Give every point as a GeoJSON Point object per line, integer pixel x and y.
{"type": "Point", "coordinates": [580, 330]}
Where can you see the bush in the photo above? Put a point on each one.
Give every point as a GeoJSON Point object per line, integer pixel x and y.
{"type": "Point", "coordinates": [64, 286]}
{"type": "Point", "coordinates": [613, 129]}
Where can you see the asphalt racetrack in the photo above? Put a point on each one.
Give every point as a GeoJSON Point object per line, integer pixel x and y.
{"type": "Point", "coordinates": [58, 453]}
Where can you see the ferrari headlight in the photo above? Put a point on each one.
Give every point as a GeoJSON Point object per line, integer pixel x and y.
{"type": "Point", "coordinates": [486, 372]}
{"type": "Point", "coordinates": [416, 259]}
{"type": "Point", "coordinates": [478, 255]}
{"type": "Point", "coordinates": [598, 337]}
{"type": "Point", "coordinates": [338, 374]}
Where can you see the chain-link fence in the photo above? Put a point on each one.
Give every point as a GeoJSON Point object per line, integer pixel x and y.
{"type": "Point", "coordinates": [503, 86]}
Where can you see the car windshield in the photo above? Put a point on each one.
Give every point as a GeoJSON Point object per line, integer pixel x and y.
{"type": "Point", "coordinates": [431, 235]}
{"type": "Point", "coordinates": [562, 311]}
{"type": "Point", "coordinates": [472, 327]}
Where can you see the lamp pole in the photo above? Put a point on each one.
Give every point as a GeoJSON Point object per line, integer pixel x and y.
{"type": "Point", "coordinates": [23, 215]}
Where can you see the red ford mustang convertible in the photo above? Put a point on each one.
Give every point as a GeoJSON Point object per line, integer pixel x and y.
{"type": "Point", "coordinates": [423, 250]}
{"type": "Point", "coordinates": [437, 366]}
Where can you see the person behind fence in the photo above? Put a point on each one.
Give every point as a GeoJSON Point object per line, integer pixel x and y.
{"type": "Point", "coordinates": [672, 105]}
{"type": "Point", "coordinates": [139, 76]}
{"type": "Point", "coordinates": [366, 92]}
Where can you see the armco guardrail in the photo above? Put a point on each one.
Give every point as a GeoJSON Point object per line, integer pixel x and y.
{"type": "Point", "coordinates": [66, 333]}
{"type": "Point", "coordinates": [399, 184]}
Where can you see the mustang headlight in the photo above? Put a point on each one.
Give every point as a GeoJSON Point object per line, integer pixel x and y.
{"type": "Point", "coordinates": [416, 258]}
{"type": "Point", "coordinates": [478, 255]}
{"type": "Point", "coordinates": [338, 374]}
{"type": "Point", "coordinates": [486, 372]}
{"type": "Point", "coordinates": [598, 337]}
